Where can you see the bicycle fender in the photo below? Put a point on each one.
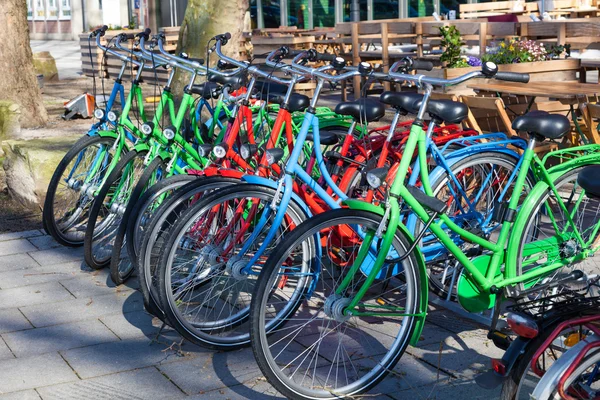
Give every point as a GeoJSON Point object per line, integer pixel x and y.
{"type": "Point", "coordinates": [481, 148]}
{"type": "Point", "coordinates": [259, 180]}
{"type": "Point", "coordinates": [110, 134]}
{"type": "Point", "coordinates": [532, 199]}
{"type": "Point", "coordinates": [424, 287]}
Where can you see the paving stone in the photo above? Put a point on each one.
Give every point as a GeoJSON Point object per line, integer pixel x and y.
{"type": "Point", "coordinates": [15, 246]}
{"type": "Point", "coordinates": [210, 373]}
{"type": "Point", "coordinates": [31, 276]}
{"type": "Point", "coordinates": [145, 383]}
{"type": "Point", "coordinates": [452, 390]}
{"type": "Point", "coordinates": [58, 255]}
{"type": "Point", "coordinates": [83, 308]}
{"type": "Point", "coordinates": [44, 242]}
{"type": "Point", "coordinates": [461, 357]}
{"type": "Point", "coordinates": [134, 324]}
{"type": "Point", "coordinates": [264, 391]}
{"type": "Point", "coordinates": [24, 395]}
{"type": "Point", "coordinates": [124, 355]}
{"type": "Point", "coordinates": [5, 352]}
{"type": "Point", "coordinates": [433, 334]}
{"type": "Point", "coordinates": [31, 372]}
{"type": "Point", "coordinates": [44, 293]}
{"type": "Point", "coordinates": [20, 235]}
{"type": "Point", "coordinates": [12, 262]}
{"type": "Point", "coordinates": [58, 337]}
{"type": "Point", "coordinates": [11, 319]}
{"type": "Point", "coordinates": [96, 283]}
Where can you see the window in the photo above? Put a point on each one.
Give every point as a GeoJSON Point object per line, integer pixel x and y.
{"type": "Point", "coordinates": [420, 8]}
{"type": "Point", "coordinates": [51, 9]}
{"type": "Point", "coordinates": [385, 9]}
{"type": "Point", "coordinates": [298, 13]}
{"type": "Point", "coordinates": [271, 13]}
{"type": "Point", "coordinates": [324, 13]}
{"type": "Point", "coordinates": [448, 5]}
{"type": "Point", "coordinates": [40, 12]}
{"type": "Point", "coordinates": [362, 6]}
{"type": "Point", "coordinates": [65, 9]}
{"type": "Point", "coordinates": [29, 9]}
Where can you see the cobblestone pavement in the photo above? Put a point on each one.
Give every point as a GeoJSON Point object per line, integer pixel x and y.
{"type": "Point", "coordinates": [67, 332]}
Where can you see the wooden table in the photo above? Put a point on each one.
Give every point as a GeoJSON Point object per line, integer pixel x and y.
{"type": "Point", "coordinates": [566, 92]}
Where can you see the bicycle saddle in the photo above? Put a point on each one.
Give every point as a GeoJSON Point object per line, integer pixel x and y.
{"type": "Point", "coordinates": [265, 87]}
{"type": "Point", "coordinates": [235, 81]}
{"type": "Point", "coordinates": [452, 112]}
{"type": "Point", "coordinates": [297, 102]}
{"type": "Point", "coordinates": [541, 123]}
{"type": "Point", "coordinates": [325, 138]}
{"type": "Point", "coordinates": [362, 109]}
{"type": "Point", "coordinates": [207, 90]}
{"type": "Point", "coordinates": [588, 180]}
{"type": "Point", "coordinates": [405, 102]}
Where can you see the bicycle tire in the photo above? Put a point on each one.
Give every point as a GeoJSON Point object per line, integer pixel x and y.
{"type": "Point", "coordinates": [121, 268]}
{"type": "Point", "coordinates": [307, 238]}
{"type": "Point", "coordinates": [52, 221]}
{"type": "Point", "coordinates": [98, 210]}
{"type": "Point", "coordinates": [226, 333]}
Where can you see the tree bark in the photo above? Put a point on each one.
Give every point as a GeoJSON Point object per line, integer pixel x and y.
{"type": "Point", "coordinates": [18, 83]}
{"type": "Point", "coordinates": [203, 20]}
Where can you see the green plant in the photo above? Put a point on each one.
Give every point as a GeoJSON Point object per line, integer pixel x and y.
{"type": "Point", "coordinates": [556, 51]}
{"type": "Point", "coordinates": [452, 43]}
{"type": "Point", "coordinates": [517, 51]}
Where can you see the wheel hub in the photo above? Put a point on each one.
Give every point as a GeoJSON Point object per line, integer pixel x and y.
{"type": "Point", "coordinates": [236, 268]}
{"type": "Point", "coordinates": [569, 248]}
{"type": "Point", "coordinates": [335, 308]}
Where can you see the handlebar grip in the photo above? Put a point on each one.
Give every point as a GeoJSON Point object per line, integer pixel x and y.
{"type": "Point", "coordinates": [512, 77]}
{"type": "Point", "coordinates": [145, 33]}
{"type": "Point", "coordinates": [224, 65]}
{"type": "Point", "coordinates": [326, 57]}
{"type": "Point", "coordinates": [422, 65]}
{"type": "Point", "coordinates": [294, 53]}
{"type": "Point", "coordinates": [128, 36]}
{"type": "Point", "coordinates": [198, 60]}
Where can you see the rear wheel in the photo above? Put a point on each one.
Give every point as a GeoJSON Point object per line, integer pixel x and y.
{"type": "Point", "coordinates": [68, 198]}
{"type": "Point", "coordinates": [108, 208]}
{"type": "Point", "coordinates": [304, 342]}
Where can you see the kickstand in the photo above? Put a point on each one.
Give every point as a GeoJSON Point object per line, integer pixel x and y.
{"type": "Point", "coordinates": [496, 314]}
{"type": "Point", "coordinates": [158, 333]}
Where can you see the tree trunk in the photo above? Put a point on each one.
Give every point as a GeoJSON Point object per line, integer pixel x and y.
{"type": "Point", "coordinates": [203, 20]}
{"type": "Point", "coordinates": [19, 83]}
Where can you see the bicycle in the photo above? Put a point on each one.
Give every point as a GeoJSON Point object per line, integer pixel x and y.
{"type": "Point", "coordinates": [232, 222]}
{"type": "Point", "coordinates": [336, 303]}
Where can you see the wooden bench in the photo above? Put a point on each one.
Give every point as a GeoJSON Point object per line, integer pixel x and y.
{"type": "Point", "coordinates": [495, 8]}
{"type": "Point", "coordinates": [573, 9]}
{"type": "Point", "coordinates": [579, 33]}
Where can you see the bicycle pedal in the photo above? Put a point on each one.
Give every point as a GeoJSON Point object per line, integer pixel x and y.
{"type": "Point", "coordinates": [501, 340]}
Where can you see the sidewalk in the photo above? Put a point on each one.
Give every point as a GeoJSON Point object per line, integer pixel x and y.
{"type": "Point", "coordinates": [65, 52]}
{"type": "Point", "coordinates": [66, 332]}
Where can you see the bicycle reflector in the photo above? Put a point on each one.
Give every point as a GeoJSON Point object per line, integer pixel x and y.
{"type": "Point", "coordinates": [220, 150]}
{"type": "Point", "coordinates": [498, 367]}
{"type": "Point", "coordinates": [204, 150]}
{"type": "Point", "coordinates": [376, 177]}
{"type": "Point", "coordinates": [112, 116]}
{"type": "Point", "coordinates": [522, 325]}
{"type": "Point", "coordinates": [169, 133]}
{"type": "Point", "coordinates": [99, 113]}
{"type": "Point", "coordinates": [274, 155]}
{"type": "Point", "coordinates": [248, 150]}
{"type": "Point", "coordinates": [147, 128]}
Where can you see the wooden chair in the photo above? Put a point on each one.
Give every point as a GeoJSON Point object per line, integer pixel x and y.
{"type": "Point", "coordinates": [591, 114]}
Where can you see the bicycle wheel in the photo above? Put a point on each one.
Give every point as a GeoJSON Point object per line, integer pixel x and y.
{"type": "Point", "coordinates": [121, 266]}
{"type": "Point", "coordinates": [547, 223]}
{"type": "Point", "coordinates": [584, 382]}
{"type": "Point", "coordinates": [479, 181]}
{"type": "Point", "coordinates": [204, 285]}
{"type": "Point", "coordinates": [159, 226]}
{"type": "Point", "coordinates": [522, 379]}
{"type": "Point", "coordinates": [303, 342]}
{"type": "Point", "coordinates": [68, 198]}
{"type": "Point", "coordinates": [108, 208]}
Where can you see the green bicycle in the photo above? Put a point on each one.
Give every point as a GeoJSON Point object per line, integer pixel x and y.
{"type": "Point", "coordinates": [344, 294]}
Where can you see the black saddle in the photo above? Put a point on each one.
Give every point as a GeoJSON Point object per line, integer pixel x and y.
{"type": "Point", "coordinates": [362, 109]}
{"type": "Point", "coordinates": [235, 81]}
{"type": "Point", "coordinates": [405, 102]}
{"type": "Point", "coordinates": [589, 181]}
{"type": "Point", "coordinates": [448, 111]}
{"type": "Point", "coordinates": [297, 102]}
{"type": "Point", "coordinates": [325, 138]}
{"type": "Point", "coordinates": [541, 123]}
{"type": "Point", "coordinates": [265, 87]}
{"type": "Point", "coordinates": [207, 90]}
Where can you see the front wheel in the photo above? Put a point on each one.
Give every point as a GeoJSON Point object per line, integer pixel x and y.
{"type": "Point", "coordinates": [68, 198]}
{"type": "Point", "coordinates": [305, 342]}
